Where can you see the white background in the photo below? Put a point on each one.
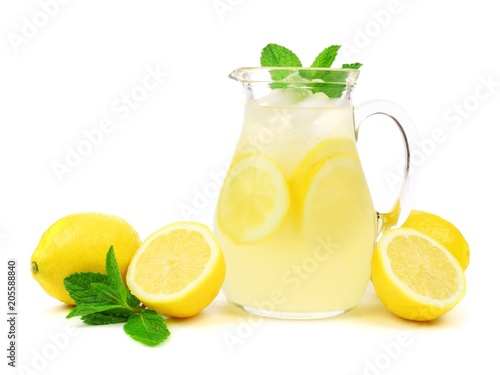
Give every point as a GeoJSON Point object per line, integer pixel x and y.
{"type": "Point", "coordinates": [431, 57]}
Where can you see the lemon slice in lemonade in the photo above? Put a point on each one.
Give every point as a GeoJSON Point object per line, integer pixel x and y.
{"type": "Point", "coordinates": [178, 270]}
{"type": "Point", "coordinates": [334, 199]}
{"type": "Point", "coordinates": [254, 199]}
{"type": "Point", "coordinates": [328, 148]}
{"type": "Point", "coordinates": [415, 276]}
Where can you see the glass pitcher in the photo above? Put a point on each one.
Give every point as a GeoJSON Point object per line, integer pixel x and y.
{"type": "Point", "coordinates": [295, 218]}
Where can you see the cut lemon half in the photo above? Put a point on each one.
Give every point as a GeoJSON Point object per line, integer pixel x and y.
{"type": "Point", "coordinates": [254, 199]}
{"type": "Point", "coordinates": [178, 270]}
{"type": "Point", "coordinates": [442, 231]}
{"type": "Point", "coordinates": [415, 276]}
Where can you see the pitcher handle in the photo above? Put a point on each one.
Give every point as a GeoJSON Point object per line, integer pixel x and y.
{"type": "Point", "coordinates": [406, 197]}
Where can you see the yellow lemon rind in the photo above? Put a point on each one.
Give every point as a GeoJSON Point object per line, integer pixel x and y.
{"type": "Point", "coordinates": [79, 243]}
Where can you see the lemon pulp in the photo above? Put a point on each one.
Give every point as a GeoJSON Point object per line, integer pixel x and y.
{"type": "Point", "coordinates": [178, 270]}
{"type": "Point", "coordinates": [415, 276]}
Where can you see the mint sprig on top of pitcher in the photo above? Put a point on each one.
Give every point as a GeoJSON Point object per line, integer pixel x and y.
{"type": "Point", "coordinates": [274, 55]}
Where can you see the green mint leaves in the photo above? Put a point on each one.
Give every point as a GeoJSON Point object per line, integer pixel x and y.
{"type": "Point", "coordinates": [104, 299]}
{"type": "Point", "coordinates": [326, 58]}
{"type": "Point", "coordinates": [147, 327]}
{"type": "Point", "coordinates": [352, 66]}
{"type": "Point", "coordinates": [274, 55]}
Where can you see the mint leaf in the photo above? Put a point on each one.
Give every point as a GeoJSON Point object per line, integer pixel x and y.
{"type": "Point", "coordinates": [276, 55]}
{"type": "Point", "coordinates": [331, 90]}
{"type": "Point", "coordinates": [115, 280]}
{"type": "Point", "coordinates": [114, 277]}
{"type": "Point", "coordinates": [131, 300]}
{"type": "Point", "coordinates": [335, 88]}
{"type": "Point", "coordinates": [326, 58]}
{"type": "Point", "coordinates": [330, 82]}
{"type": "Point", "coordinates": [148, 327]}
{"type": "Point", "coordinates": [107, 293]}
{"type": "Point", "coordinates": [78, 286]}
{"type": "Point", "coordinates": [356, 65]}
{"type": "Point", "coordinates": [89, 308]}
{"type": "Point", "coordinates": [104, 299]}
{"type": "Point", "coordinates": [108, 317]}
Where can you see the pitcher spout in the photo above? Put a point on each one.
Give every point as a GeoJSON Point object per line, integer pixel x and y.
{"type": "Point", "coordinates": [239, 74]}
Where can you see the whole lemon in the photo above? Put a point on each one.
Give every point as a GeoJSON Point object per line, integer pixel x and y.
{"type": "Point", "coordinates": [443, 232]}
{"type": "Point", "coordinates": [79, 243]}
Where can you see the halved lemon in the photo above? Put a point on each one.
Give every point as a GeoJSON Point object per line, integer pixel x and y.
{"type": "Point", "coordinates": [442, 231]}
{"type": "Point", "coordinates": [254, 199]}
{"type": "Point", "coordinates": [178, 270]}
{"type": "Point", "coordinates": [415, 276]}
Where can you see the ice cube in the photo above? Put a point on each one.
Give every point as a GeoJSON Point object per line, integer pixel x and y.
{"type": "Point", "coordinates": [284, 97]}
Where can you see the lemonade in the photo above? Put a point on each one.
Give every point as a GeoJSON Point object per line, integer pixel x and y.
{"type": "Point", "coordinates": [295, 218]}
